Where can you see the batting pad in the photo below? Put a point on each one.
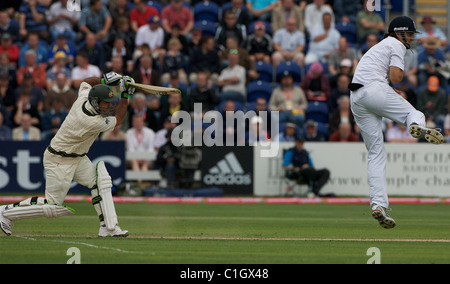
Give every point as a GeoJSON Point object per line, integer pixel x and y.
{"type": "Point", "coordinates": [35, 211]}
{"type": "Point", "coordinates": [104, 185]}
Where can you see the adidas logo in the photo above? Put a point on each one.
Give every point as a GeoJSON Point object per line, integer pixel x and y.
{"type": "Point", "coordinates": [227, 171]}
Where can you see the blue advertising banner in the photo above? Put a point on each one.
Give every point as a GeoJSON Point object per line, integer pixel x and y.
{"type": "Point", "coordinates": [21, 168]}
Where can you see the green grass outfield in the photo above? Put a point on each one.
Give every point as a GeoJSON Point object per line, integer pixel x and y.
{"type": "Point", "coordinates": [236, 234]}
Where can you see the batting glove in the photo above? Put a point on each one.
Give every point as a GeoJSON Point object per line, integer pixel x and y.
{"type": "Point", "coordinates": [111, 79]}
{"type": "Point", "coordinates": [129, 91]}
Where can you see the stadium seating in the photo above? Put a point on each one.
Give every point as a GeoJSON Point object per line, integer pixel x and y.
{"type": "Point", "coordinates": [206, 11]}
{"type": "Point", "coordinates": [317, 111]}
{"type": "Point", "coordinates": [256, 89]}
{"type": "Point", "coordinates": [347, 30]}
{"type": "Point", "coordinates": [155, 4]}
{"type": "Point", "coordinates": [265, 71]}
{"type": "Point", "coordinates": [208, 28]}
{"type": "Point", "coordinates": [292, 67]}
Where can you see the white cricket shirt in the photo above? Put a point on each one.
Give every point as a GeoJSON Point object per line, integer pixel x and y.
{"type": "Point", "coordinates": [80, 128]}
{"type": "Point", "coordinates": [374, 65]}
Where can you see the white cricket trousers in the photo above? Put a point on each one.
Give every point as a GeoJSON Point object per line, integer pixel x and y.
{"type": "Point", "coordinates": [60, 176]}
{"type": "Point", "coordinates": [369, 104]}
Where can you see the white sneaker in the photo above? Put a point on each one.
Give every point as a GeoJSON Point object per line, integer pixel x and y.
{"type": "Point", "coordinates": [5, 223]}
{"type": "Point", "coordinates": [433, 136]}
{"type": "Point", "coordinates": [117, 232]}
{"type": "Point", "coordinates": [379, 213]}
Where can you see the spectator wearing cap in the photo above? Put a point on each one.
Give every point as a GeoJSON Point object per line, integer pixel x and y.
{"type": "Point", "coordinates": [153, 35]}
{"type": "Point", "coordinates": [8, 25]}
{"type": "Point", "coordinates": [62, 43]}
{"type": "Point", "coordinates": [259, 44]}
{"type": "Point", "coordinates": [32, 19]}
{"type": "Point", "coordinates": [33, 43]}
{"type": "Point", "coordinates": [230, 28]}
{"type": "Point", "coordinates": [311, 132]}
{"type": "Point", "coordinates": [141, 13]}
{"type": "Point", "coordinates": [37, 71]}
{"type": "Point", "coordinates": [60, 66]}
{"type": "Point", "coordinates": [176, 12]}
{"type": "Point", "coordinates": [298, 166]}
{"type": "Point", "coordinates": [6, 45]}
{"type": "Point", "coordinates": [286, 10]}
{"type": "Point", "coordinates": [232, 79]}
{"type": "Point", "coordinates": [95, 19]}
{"type": "Point", "coordinates": [343, 52]}
{"type": "Point", "coordinates": [61, 20]}
{"type": "Point", "coordinates": [288, 135]}
{"type": "Point", "coordinates": [323, 41]}
{"type": "Point", "coordinates": [430, 30]}
{"type": "Point", "coordinates": [429, 60]}
{"type": "Point", "coordinates": [431, 101]}
{"type": "Point", "coordinates": [345, 68]}
{"type": "Point", "coordinates": [316, 84]}
{"type": "Point", "coordinates": [289, 100]}
{"type": "Point", "coordinates": [288, 44]}
{"type": "Point", "coordinates": [204, 59]}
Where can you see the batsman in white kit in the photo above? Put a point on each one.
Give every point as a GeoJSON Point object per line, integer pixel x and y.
{"type": "Point", "coordinates": [65, 159]}
{"type": "Point", "coordinates": [372, 98]}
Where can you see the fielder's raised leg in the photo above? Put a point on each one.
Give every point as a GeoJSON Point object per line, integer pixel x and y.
{"type": "Point", "coordinates": [65, 159]}
{"type": "Point", "coordinates": [373, 98]}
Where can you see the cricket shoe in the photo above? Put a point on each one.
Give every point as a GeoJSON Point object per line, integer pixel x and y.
{"type": "Point", "coordinates": [5, 223]}
{"type": "Point", "coordinates": [433, 136]}
{"type": "Point", "coordinates": [379, 213]}
{"type": "Point", "coordinates": [116, 232]}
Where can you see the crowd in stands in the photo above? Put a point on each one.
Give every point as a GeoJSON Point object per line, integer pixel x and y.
{"type": "Point", "coordinates": [295, 57]}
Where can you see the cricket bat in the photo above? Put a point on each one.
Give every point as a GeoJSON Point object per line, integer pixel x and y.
{"type": "Point", "coordinates": [154, 89]}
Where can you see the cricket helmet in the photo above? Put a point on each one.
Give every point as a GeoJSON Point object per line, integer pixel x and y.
{"type": "Point", "coordinates": [402, 25]}
{"type": "Point", "coordinates": [102, 92]}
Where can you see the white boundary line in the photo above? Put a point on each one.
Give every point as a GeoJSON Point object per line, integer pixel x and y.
{"type": "Point", "coordinates": [239, 239]}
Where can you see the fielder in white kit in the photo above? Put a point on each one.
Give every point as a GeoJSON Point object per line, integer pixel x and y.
{"type": "Point", "coordinates": [372, 98]}
{"type": "Point", "coordinates": [65, 158]}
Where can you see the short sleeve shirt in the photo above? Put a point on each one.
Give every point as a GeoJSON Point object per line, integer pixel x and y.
{"type": "Point", "coordinates": [374, 65]}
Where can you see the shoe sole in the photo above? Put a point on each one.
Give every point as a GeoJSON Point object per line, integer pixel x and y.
{"type": "Point", "coordinates": [5, 228]}
{"type": "Point", "coordinates": [385, 222]}
{"type": "Point", "coordinates": [431, 135]}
